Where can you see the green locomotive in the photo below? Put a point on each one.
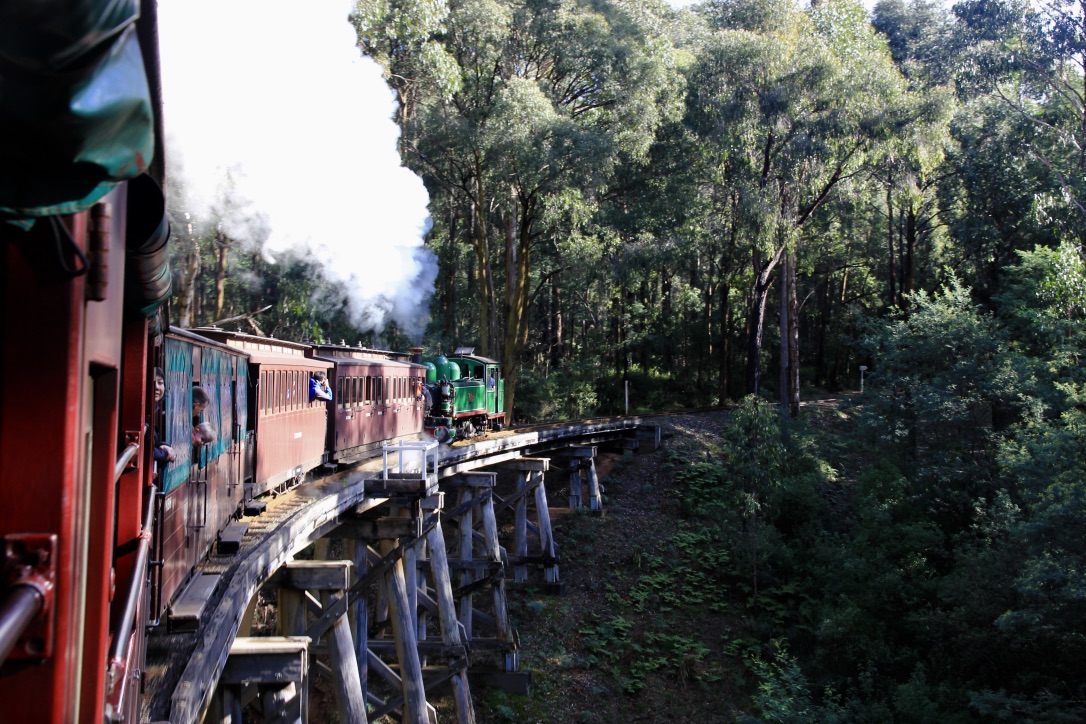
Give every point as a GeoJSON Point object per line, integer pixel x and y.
{"type": "Point", "coordinates": [467, 395]}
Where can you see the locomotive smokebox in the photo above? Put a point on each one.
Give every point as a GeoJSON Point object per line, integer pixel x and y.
{"type": "Point", "coordinates": [416, 355]}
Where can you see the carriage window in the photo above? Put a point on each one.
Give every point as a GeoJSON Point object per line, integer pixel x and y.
{"type": "Point", "coordinates": [339, 392]}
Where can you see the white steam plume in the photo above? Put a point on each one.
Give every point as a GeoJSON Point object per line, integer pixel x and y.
{"type": "Point", "coordinates": [276, 94]}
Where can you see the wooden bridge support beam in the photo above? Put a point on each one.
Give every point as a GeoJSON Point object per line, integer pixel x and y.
{"type": "Point", "coordinates": [475, 508]}
{"type": "Point", "coordinates": [409, 536]}
{"type": "Point", "coordinates": [331, 581]}
{"type": "Point", "coordinates": [582, 469]}
{"type": "Point", "coordinates": [274, 669]}
{"type": "Point", "coordinates": [530, 486]}
{"type": "Point", "coordinates": [450, 626]}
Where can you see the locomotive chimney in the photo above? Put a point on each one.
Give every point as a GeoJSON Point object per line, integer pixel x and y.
{"type": "Point", "coordinates": [416, 355]}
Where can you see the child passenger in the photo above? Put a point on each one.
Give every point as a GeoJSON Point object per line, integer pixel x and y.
{"type": "Point", "coordinates": [318, 387]}
{"type": "Point", "coordinates": [202, 432]}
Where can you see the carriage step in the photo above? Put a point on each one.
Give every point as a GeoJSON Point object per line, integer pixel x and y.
{"type": "Point", "coordinates": [185, 613]}
{"type": "Point", "coordinates": [254, 507]}
{"type": "Point", "coordinates": [230, 538]}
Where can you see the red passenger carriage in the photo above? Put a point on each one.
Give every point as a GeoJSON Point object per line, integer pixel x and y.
{"type": "Point", "coordinates": [376, 399]}
{"type": "Point", "coordinates": [290, 430]}
{"type": "Point", "coordinates": [202, 488]}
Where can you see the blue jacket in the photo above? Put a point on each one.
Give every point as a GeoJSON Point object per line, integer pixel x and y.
{"type": "Point", "coordinates": [318, 392]}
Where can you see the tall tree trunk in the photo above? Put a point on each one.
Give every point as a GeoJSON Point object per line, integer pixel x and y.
{"type": "Point", "coordinates": [449, 274]}
{"type": "Point", "coordinates": [825, 311]}
{"type": "Point", "coordinates": [706, 359]}
{"type": "Point", "coordinates": [789, 325]}
{"type": "Point", "coordinates": [666, 314]}
{"type": "Point", "coordinates": [186, 283]}
{"type": "Point", "coordinates": [644, 349]}
{"type": "Point", "coordinates": [908, 255]}
{"type": "Point", "coordinates": [222, 245]}
{"type": "Point", "coordinates": [557, 343]}
{"type": "Point", "coordinates": [763, 280]}
{"type": "Point", "coordinates": [482, 261]}
{"type": "Point", "coordinates": [518, 247]}
{"type": "Point", "coordinates": [725, 346]}
{"type": "Point", "coordinates": [890, 275]}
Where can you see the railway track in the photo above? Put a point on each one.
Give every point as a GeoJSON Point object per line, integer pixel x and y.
{"type": "Point", "coordinates": [187, 655]}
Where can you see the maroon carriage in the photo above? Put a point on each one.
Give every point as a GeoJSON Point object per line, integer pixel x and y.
{"type": "Point", "coordinates": [289, 430]}
{"type": "Point", "coordinates": [377, 399]}
{"type": "Point", "coordinates": [202, 487]}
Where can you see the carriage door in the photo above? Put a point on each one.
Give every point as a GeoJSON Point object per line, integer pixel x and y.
{"type": "Point", "coordinates": [490, 379]}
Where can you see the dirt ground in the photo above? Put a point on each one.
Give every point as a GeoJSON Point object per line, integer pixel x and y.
{"type": "Point", "coordinates": [602, 557]}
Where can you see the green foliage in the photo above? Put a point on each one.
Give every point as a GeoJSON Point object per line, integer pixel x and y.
{"type": "Point", "coordinates": [565, 393]}
{"type": "Point", "coordinates": [784, 693]}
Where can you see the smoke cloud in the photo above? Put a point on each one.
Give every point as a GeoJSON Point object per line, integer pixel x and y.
{"type": "Point", "coordinates": [275, 119]}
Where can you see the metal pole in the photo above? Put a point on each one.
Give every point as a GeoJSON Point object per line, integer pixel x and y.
{"type": "Point", "coordinates": [627, 397]}
{"type": "Point", "coordinates": [21, 606]}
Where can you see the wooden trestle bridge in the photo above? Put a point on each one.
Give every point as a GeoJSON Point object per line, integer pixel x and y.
{"type": "Point", "coordinates": [403, 545]}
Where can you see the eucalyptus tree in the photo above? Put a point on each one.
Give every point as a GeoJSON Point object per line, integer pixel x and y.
{"type": "Point", "coordinates": [404, 36]}
{"type": "Point", "coordinates": [910, 169]}
{"type": "Point", "coordinates": [1032, 56]}
{"type": "Point", "coordinates": [792, 101]}
{"type": "Point", "coordinates": [552, 95]}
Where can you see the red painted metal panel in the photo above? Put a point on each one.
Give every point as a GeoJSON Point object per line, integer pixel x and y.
{"type": "Point", "coordinates": [176, 542]}
{"type": "Point", "coordinates": [384, 409]}
{"type": "Point", "coordinates": [102, 361]}
{"type": "Point", "coordinates": [290, 430]}
{"type": "Point", "coordinates": [41, 457]}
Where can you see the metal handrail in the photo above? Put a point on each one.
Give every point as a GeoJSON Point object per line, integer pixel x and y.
{"type": "Point", "coordinates": [129, 452]}
{"type": "Point", "coordinates": [135, 592]}
{"type": "Point", "coordinates": [21, 606]}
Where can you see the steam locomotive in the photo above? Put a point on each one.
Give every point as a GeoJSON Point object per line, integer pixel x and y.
{"type": "Point", "coordinates": [468, 395]}
{"type": "Point", "coordinates": [99, 539]}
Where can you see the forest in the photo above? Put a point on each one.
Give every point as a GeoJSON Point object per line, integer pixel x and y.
{"type": "Point", "coordinates": [746, 203]}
